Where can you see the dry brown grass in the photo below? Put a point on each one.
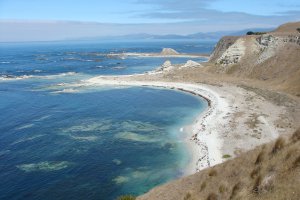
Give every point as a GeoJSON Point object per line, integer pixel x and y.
{"type": "Point", "coordinates": [296, 136]}
{"type": "Point", "coordinates": [255, 172]}
{"type": "Point", "coordinates": [212, 172]}
{"type": "Point", "coordinates": [257, 184]}
{"type": "Point", "coordinates": [259, 158]}
{"type": "Point", "coordinates": [268, 172]}
{"type": "Point", "coordinates": [187, 196]}
{"type": "Point", "coordinates": [235, 190]}
{"type": "Point", "coordinates": [212, 196]}
{"type": "Point", "coordinates": [296, 163]}
{"type": "Point", "coordinates": [279, 144]}
{"type": "Point", "coordinates": [203, 186]}
{"type": "Point", "coordinates": [222, 189]}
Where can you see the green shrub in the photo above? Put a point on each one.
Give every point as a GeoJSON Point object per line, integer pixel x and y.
{"type": "Point", "coordinates": [255, 33]}
{"type": "Point", "coordinates": [126, 197]}
{"type": "Point", "coordinates": [226, 156]}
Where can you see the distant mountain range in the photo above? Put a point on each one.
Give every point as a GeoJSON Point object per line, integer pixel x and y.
{"type": "Point", "coordinates": [197, 36]}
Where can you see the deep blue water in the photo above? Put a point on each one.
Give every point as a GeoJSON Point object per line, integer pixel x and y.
{"type": "Point", "coordinates": [95, 143]}
{"type": "Point", "coordinates": [85, 57]}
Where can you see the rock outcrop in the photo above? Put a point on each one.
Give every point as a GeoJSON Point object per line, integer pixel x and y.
{"type": "Point", "coordinates": [222, 46]}
{"type": "Point", "coordinates": [168, 51]}
{"type": "Point", "coordinates": [165, 67]}
{"type": "Point", "coordinates": [233, 54]}
{"type": "Point", "coordinates": [272, 56]}
{"type": "Point", "coordinates": [191, 63]}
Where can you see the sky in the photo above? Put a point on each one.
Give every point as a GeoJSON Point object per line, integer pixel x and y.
{"type": "Point", "coordinates": [35, 20]}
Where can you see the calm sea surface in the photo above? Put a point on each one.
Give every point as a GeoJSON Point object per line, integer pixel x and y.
{"type": "Point", "coordinates": [92, 142]}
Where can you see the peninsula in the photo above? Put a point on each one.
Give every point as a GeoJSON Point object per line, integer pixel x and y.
{"type": "Point", "coordinates": [252, 85]}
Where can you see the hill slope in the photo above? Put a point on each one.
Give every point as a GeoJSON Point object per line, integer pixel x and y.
{"type": "Point", "coordinates": [270, 61]}
{"type": "Point", "coordinates": [272, 57]}
{"type": "Point", "coordinates": [271, 171]}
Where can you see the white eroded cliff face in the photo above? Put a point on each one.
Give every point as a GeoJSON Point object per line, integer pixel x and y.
{"type": "Point", "coordinates": [269, 45]}
{"type": "Point", "coordinates": [233, 54]}
{"type": "Point", "coordinates": [221, 47]}
{"type": "Point", "coordinates": [260, 48]}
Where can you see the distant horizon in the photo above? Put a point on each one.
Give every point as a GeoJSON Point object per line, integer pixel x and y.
{"type": "Point", "coordinates": [63, 19]}
{"type": "Point", "coordinates": [218, 35]}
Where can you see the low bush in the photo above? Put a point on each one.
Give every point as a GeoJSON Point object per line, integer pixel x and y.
{"type": "Point", "coordinates": [212, 196]}
{"type": "Point", "coordinates": [203, 186]}
{"type": "Point", "coordinates": [279, 144]}
{"type": "Point", "coordinates": [226, 156]}
{"type": "Point", "coordinates": [259, 158]}
{"type": "Point", "coordinates": [187, 196]}
{"type": "Point", "coordinates": [235, 190]}
{"type": "Point", "coordinates": [212, 172]}
{"type": "Point", "coordinates": [126, 197]}
{"type": "Point", "coordinates": [255, 33]}
{"type": "Point", "coordinates": [257, 184]}
{"type": "Point", "coordinates": [255, 172]}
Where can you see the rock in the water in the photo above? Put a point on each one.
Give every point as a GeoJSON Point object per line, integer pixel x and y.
{"type": "Point", "coordinates": [168, 51]}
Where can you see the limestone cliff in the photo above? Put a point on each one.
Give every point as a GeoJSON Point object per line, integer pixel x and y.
{"type": "Point", "coordinates": [222, 46]}
{"type": "Point", "coordinates": [270, 171]}
{"type": "Point", "coordinates": [274, 56]}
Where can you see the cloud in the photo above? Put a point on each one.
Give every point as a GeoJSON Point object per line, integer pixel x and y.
{"type": "Point", "coordinates": [19, 30]}
{"type": "Point", "coordinates": [198, 10]}
{"type": "Point", "coordinates": [177, 5]}
{"type": "Point", "coordinates": [159, 17]}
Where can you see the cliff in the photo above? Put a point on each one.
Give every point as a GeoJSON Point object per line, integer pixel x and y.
{"type": "Point", "coordinates": [270, 64]}
{"type": "Point", "coordinates": [222, 46]}
{"type": "Point", "coordinates": [272, 57]}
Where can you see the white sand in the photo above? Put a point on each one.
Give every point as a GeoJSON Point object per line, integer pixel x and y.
{"type": "Point", "coordinates": [156, 55]}
{"type": "Point", "coordinates": [236, 121]}
{"type": "Point", "coordinates": [203, 140]}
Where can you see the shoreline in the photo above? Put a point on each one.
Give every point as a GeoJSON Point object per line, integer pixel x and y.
{"type": "Point", "coordinates": [156, 55]}
{"type": "Point", "coordinates": [203, 143]}
{"type": "Point", "coordinates": [237, 118]}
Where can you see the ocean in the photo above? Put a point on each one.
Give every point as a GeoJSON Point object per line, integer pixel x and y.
{"type": "Point", "coordinates": [92, 142]}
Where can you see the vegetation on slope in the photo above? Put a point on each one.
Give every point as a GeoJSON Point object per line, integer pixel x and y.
{"type": "Point", "coordinates": [269, 57]}
{"type": "Point", "coordinates": [126, 197]}
{"type": "Point", "coordinates": [255, 33]}
{"type": "Point", "coordinates": [271, 171]}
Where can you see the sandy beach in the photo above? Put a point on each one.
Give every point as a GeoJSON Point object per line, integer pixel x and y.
{"type": "Point", "coordinates": [203, 142]}
{"type": "Point", "coordinates": [236, 120]}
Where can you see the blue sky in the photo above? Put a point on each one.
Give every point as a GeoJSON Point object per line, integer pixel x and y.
{"type": "Point", "coordinates": [118, 17]}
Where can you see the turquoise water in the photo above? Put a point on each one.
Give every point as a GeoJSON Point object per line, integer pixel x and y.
{"type": "Point", "coordinates": [95, 143]}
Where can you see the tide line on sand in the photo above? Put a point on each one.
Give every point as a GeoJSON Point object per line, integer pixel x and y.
{"type": "Point", "coordinates": [203, 141]}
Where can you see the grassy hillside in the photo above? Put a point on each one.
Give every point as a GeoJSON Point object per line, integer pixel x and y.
{"type": "Point", "coordinates": [271, 57]}
{"type": "Point", "coordinates": [269, 65]}
{"type": "Point", "coordinates": [271, 171]}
